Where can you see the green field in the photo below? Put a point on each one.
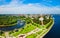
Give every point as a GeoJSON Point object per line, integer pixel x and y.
{"type": "Point", "coordinates": [7, 20]}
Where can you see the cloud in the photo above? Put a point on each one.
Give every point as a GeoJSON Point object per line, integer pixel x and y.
{"type": "Point", "coordinates": [19, 8]}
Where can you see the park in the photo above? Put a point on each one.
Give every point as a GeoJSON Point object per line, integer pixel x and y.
{"type": "Point", "coordinates": [25, 25]}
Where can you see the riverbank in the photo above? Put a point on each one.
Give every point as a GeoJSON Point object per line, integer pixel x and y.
{"type": "Point", "coordinates": [46, 31]}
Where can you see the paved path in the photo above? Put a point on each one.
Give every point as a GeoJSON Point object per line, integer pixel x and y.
{"type": "Point", "coordinates": [40, 35]}
{"type": "Point", "coordinates": [31, 32]}
{"type": "Point", "coordinates": [1, 36]}
{"type": "Point", "coordinates": [6, 34]}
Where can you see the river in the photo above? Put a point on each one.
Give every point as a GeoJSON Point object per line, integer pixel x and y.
{"type": "Point", "coordinates": [17, 26]}
{"type": "Point", "coordinates": [55, 31]}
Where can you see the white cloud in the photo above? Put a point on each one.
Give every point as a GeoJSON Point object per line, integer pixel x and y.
{"type": "Point", "coordinates": [15, 8]}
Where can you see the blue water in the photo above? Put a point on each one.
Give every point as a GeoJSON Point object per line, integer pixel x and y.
{"type": "Point", "coordinates": [17, 26]}
{"type": "Point", "coordinates": [55, 31]}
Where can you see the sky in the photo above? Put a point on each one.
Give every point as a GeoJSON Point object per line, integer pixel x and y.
{"type": "Point", "coordinates": [29, 6]}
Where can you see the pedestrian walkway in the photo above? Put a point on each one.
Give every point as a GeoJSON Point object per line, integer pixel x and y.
{"type": "Point", "coordinates": [29, 33]}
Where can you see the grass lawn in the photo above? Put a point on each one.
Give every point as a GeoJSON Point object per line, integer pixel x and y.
{"type": "Point", "coordinates": [26, 29]}
{"type": "Point", "coordinates": [32, 36]}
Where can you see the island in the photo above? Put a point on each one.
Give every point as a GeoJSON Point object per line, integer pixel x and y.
{"type": "Point", "coordinates": [25, 25]}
